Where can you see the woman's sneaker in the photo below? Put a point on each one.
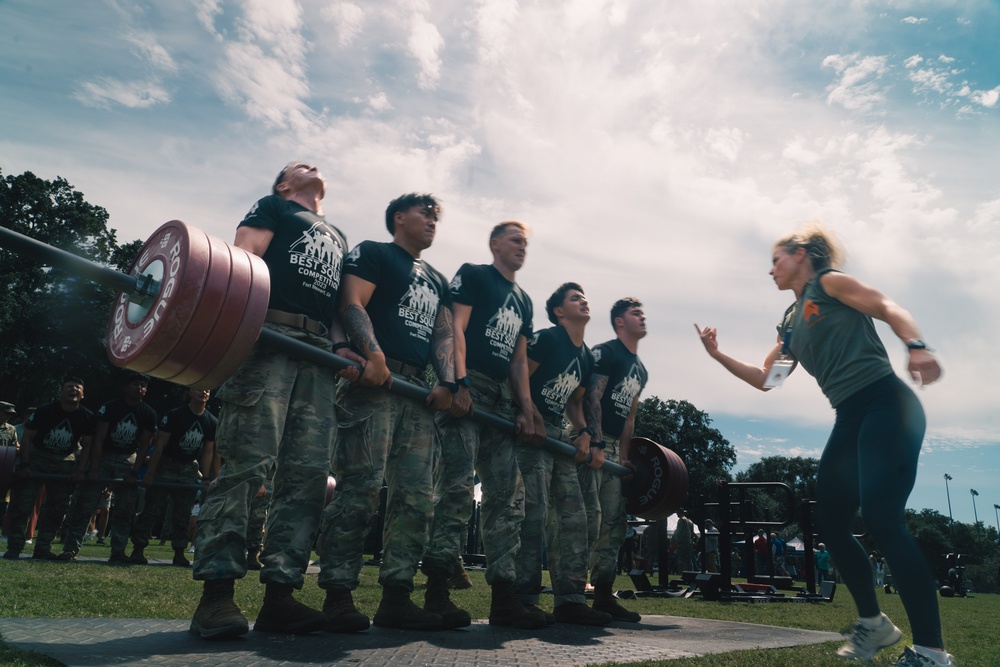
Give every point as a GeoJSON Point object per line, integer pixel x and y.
{"type": "Point", "coordinates": [913, 658]}
{"type": "Point", "coordinates": [865, 642]}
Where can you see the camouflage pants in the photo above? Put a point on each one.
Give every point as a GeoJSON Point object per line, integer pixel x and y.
{"type": "Point", "coordinates": [554, 510]}
{"type": "Point", "coordinates": [387, 437]}
{"type": "Point", "coordinates": [115, 465]}
{"type": "Point", "coordinates": [607, 522]}
{"type": "Point", "coordinates": [175, 526]}
{"type": "Point", "coordinates": [258, 516]}
{"type": "Point", "coordinates": [22, 501]}
{"type": "Point", "coordinates": [493, 452]}
{"type": "Point", "coordinates": [277, 415]}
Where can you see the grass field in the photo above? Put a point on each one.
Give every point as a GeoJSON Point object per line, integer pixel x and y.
{"type": "Point", "coordinates": [90, 590]}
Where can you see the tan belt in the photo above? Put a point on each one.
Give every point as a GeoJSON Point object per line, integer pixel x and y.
{"type": "Point", "coordinates": [296, 320]}
{"type": "Point", "coordinates": [400, 368]}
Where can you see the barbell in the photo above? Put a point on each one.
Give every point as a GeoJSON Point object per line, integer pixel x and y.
{"type": "Point", "coordinates": [8, 459]}
{"type": "Point", "coordinates": [191, 307]}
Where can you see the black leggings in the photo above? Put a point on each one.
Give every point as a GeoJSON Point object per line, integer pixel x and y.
{"type": "Point", "coordinates": [870, 461]}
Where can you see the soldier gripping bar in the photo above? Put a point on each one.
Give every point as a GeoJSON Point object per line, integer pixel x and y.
{"type": "Point", "coordinates": [192, 306]}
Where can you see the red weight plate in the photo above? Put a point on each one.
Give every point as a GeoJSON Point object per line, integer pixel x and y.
{"type": "Point", "coordinates": [250, 324]}
{"type": "Point", "coordinates": [203, 321]}
{"type": "Point", "coordinates": [220, 338]}
{"type": "Point", "coordinates": [140, 337]}
{"type": "Point", "coordinates": [660, 483]}
{"type": "Point", "coordinates": [7, 457]}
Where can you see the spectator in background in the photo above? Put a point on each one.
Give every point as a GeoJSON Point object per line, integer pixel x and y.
{"type": "Point", "coordinates": [761, 554]}
{"type": "Point", "coordinates": [711, 549]}
{"type": "Point", "coordinates": [56, 441]}
{"type": "Point", "coordinates": [184, 453]}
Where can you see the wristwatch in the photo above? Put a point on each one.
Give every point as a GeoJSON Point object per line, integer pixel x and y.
{"type": "Point", "coordinates": [917, 344]}
{"type": "Point", "coordinates": [463, 382]}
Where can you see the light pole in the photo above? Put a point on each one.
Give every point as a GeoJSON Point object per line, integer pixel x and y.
{"type": "Point", "coordinates": [951, 520]}
{"type": "Point", "coordinates": [974, 513]}
{"type": "Point", "coordinates": [996, 515]}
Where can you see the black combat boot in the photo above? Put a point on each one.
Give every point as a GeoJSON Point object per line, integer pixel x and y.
{"type": "Point", "coordinates": [217, 616]}
{"type": "Point", "coordinates": [438, 601]}
{"type": "Point", "coordinates": [284, 614]}
{"type": "Point", "coordinates": [341, 614]}
{"type": "Point", "coordinates": [605, 600]}
{"type": "Point", "coordinates": [396, 610]}
{"type": "Point", "coordinates": [507, 610]}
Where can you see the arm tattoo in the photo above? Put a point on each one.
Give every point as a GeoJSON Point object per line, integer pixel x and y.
{"type": "Point", "coordinates": [592, 403]}
{"type": "Point", "coordinates": [443, 345]}
{"type": "Point", "coordinates": [358, 327]}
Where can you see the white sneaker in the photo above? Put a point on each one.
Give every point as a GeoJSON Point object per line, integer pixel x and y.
{"type": "Point", "coordinates": [912, 658]}
{"type": "Point", "coordinates": [866, 642]}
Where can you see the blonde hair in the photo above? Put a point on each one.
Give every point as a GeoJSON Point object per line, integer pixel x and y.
{"type": "Point", "coordinates": [501, 228]}
{"type": "Point", "coordinates": [821, 246]}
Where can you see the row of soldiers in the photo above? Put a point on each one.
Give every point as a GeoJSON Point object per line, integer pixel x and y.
{"type": "Point", "coordinates": [381, 306]}
{"type": "Point", "coordinates": [73, 453]}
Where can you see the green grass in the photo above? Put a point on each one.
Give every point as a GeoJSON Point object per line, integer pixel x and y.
{"type": "Point", "coordinates": [90, 590]}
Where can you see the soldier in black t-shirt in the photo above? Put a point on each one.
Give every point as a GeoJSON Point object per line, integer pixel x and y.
{"type": "Point", "coordinates": [493, 318]}
{"type": "Point", "coordinates": [184, 453]}
{"type": "Point", "coordinates": [395, 309]}
{"type": "Point", "coordinates": [56, 440]}
{"type": "Point", "coordinates": [277, 417]}
{"type": "Point", "coordinates": [611, 401]}
{"type": "Point", "coordinates": [559, 365]}
{"type": "Point", "coordinates": [124, 426]}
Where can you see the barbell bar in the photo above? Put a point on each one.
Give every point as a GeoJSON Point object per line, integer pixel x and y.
{"type": "Point", "coordinates": [192, 306]}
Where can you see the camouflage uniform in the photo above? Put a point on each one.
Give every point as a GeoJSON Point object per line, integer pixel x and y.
{"type": "Point", "coordinates": [175, 526]}
{"type": "Point", "coordinates": [8, 435]}
{"type": "Point", "coordinates": [554, 510]}
{"type": "Point", "coordinates": [258, 515]}
{"type": "Point", "coordinates": [88, 494]}
{"type": "Point", "coordinates": [494, 454]}
{"type": "Point", "coordinates": [276, 411]}
{"type": "Point", "coordinates": [24, 492]}
{"type": "Point", "coordinates": [608, 523]}
{"type": "Point", "coordinates": [388, 437]}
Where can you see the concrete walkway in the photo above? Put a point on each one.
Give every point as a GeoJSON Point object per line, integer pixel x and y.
{"type": "Point", "coordinates": [115, 641]}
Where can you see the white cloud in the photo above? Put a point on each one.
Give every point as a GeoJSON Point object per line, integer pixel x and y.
{"type": "Point", "coordinates": [986, 98]}
{"type": "Point", "coordinates": [264, 69]}
{"type": "Point", "coordinates": [380, 102]}
{"type": "Point", "coordinates": [131, 94]}
{"type": "Point", "coordinates": [424, 43]}
{"type": "Point", "coordinates": [913, 20]}
{"type": "Point", "coordinates": [146, 44]}
{"type": "Point", "coordinates": [349, 19]}
{"type": "Point", "coordinates": [857, 89]}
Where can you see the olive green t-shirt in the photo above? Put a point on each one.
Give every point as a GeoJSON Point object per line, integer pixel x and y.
{"type": "Point", "coordinates": [835, 343]}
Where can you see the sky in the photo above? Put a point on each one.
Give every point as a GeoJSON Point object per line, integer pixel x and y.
{"type": "Point", "coordinates": [656, 149]}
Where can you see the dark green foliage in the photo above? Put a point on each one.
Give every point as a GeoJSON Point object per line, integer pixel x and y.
{"type": "Point", "coordinates": [53, 323]}
{"type": "Point", "coordinates": [683, 428]}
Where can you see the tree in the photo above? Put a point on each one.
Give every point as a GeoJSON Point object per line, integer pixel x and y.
{"type": "Point", "coordinates": [770, 505]}
{"type": "Point", "coordinates": [53, 323]}
{"type": "Point", "coordinates": [683, 428]}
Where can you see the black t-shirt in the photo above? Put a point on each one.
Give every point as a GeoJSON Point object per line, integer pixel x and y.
{"type": "Point", "coordinates": [304, 258]}
{"type": "Point", "coordinates": [59, 432]}
{"type": "Point", "coordinates": [404, 305]}
{"type": "Point", "coordinates": [501, 311]}
{"type": "Point", "coordinates": [125, 423]}
{"type": "Point", "coordinates": [562, 367]}
{"type": "Point", "coordinates": [626, 378]}
{"type": "Point", "coordinates": [188, 433]}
